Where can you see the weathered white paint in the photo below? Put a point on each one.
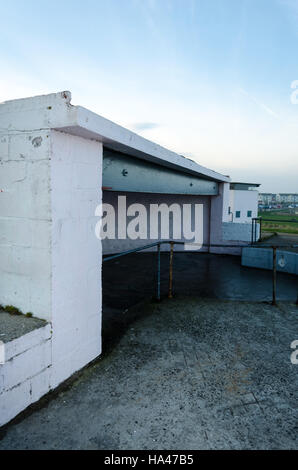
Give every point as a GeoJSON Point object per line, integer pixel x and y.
{"type": "Point", "coordinates": [25, 221]}
{"type": "Point", "coordinates": [25, 376]}
{"type": "Point", "coordinates": [50, 259]}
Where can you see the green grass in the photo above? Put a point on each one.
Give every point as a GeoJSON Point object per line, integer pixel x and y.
{"type": "Point", "coordinates": [285, 222]}
{"type": "Point", "coordinates": [12, 310]}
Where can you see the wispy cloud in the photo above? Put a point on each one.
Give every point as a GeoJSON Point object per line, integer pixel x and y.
{"type": "Point", "coordinates": [259, 103]}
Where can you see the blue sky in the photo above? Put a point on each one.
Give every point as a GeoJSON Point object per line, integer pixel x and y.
{"type": "Point", "coordinates": [210, 79]}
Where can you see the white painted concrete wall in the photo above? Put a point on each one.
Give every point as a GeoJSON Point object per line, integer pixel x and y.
{"type": "Point", "coordinates": [76, 253]}
{"type": "Point", "coordinates": [25, 221]}
{"type": "Point", "coordinates": [25, 376]}
{"type": "Point", "coordinates": [238, 232]}
{"type": "Point", "coordinates": [243, 201]}
{"type": "Point", "coordinates": [50, 258]}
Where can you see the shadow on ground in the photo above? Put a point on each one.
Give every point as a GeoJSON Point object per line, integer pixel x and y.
{"type": "Point", "coordinates": [189, 374]}
{"type": "Point", "coordinates": [132, 279]}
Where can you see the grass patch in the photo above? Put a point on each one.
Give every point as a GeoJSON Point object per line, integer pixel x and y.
{"type": "Point", "coordinates": [12, 310]}
{"type": "Point", "coordinates": [15, 311]}
{"type": "Point", "coordinates": [284, 222]}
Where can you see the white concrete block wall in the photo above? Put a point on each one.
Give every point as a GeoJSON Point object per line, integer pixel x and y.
{"type": "Point", "coordinates": [41, 360]}
{"type": "Point", "coordinates": [238, 232]}
{"type": "Point", "coordinates": [50, 258]}
{"type": "Point", "coordinates": [25, 376]}
{"type": "Point", "coordinates": [25, 221]}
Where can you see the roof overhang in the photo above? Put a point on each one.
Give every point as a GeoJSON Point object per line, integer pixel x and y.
{"type": "Point", "coordinates": [56, 112]}
{"type": "Point", "coordinates": [243, 186]}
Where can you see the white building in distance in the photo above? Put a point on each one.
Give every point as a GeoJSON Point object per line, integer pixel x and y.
{"type": "Point", "coordinates": [243, 202]}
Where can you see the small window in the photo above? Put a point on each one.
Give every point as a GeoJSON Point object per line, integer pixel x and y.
{"type": "Point", "coordinates": [249, 213]}
{"type": "Point", "coordinates": [238, 213]}
{"type": "Point", "coordinates": [229, 211]}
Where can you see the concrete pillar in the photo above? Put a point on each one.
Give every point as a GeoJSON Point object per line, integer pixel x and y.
{"type": "Point", "coordinates": [218, 214]}
{"type": "Point", "coordinates": [76, 169]}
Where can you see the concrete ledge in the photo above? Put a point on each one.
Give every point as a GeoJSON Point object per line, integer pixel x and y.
{"type": "Point", "coordinates": [262, 258]}
{"type": "Point", "coordinates": [25, 374]}
{"type": "Point", "coordinates": [28, 341]}
{"type": "Point", "coordinates": [16, 326]}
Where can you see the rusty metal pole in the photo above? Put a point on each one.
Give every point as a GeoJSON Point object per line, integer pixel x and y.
{"type": "Point", "coordinates": [171, 272]}
{"type": "Point", "coordinates": [158, 273]}
{"type": "Point", "coordinates": [274, 276]}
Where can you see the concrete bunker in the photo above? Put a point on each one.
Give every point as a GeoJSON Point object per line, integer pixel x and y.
{"type": "Point", "coordinates": [58, 164]}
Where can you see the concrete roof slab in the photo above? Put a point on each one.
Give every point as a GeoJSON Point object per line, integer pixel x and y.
{"type": "Point", "coordinates": [55, 111]}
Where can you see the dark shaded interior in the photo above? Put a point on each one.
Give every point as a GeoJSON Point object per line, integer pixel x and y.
{"type": "Point", "coordinates": [131, 279]}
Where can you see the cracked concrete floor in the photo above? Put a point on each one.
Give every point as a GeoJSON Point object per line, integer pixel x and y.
{"type": "Point", "coordinates": [189, 374]}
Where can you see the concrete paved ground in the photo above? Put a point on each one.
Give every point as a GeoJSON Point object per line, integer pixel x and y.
{"type": "Point", "coordinates": [283, 239]}
{"type": "Point", "coordinates": [188, 374]}
{"type": "Point", "coordinates": [14, 326]}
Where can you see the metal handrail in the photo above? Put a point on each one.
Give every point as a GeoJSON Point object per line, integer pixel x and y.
{"type": "Point", "coordinates": [291, 221]}
{"type": "Point", "coordinates": [134, 250]}
{"type": "Point", "coordinates": [204, 245]}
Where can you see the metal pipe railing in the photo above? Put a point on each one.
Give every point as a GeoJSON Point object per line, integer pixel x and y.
{"type": "Point", "coordinates": [170, 295]}
{"type": "Point", "coordinates": [209, 245]}
{"type": "Point", "coordinates": [158, 273]}
{"type": "Point", "coordinates": [134, 250]}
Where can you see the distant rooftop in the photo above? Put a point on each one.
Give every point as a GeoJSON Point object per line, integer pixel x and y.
{"type": "Point", "coordinates": [243, 186]}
